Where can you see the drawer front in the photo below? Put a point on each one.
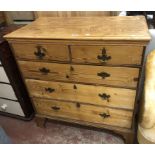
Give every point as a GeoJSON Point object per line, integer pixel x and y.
{"type": "Point", "coordinates": [44, 52]}
{"type": "Point", "coordinates": [114, 76]}
{"type": "Point", "coordinates": [3, 76]}
{"type": "Point", "coordinates": [111, 55]}
{"type": "Point", "coordinates": [11, 107]}
{"type": "Point", "coordinates": [6, 91]}
{"type": "Point", "coordinates": [99, 95]}
{"type": "Point", "coordinates": [83, 112]}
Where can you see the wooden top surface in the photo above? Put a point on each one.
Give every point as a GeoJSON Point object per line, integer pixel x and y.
{"type": "Point", "coordinates": [85, 28]}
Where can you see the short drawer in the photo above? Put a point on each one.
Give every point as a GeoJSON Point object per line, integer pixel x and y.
{"type": "Point", "coordinates": [97, 95]}
{"type": "Point", "coordinates": [3, 76]}
{"type": "Point", "coordinates": [11, 107]}
{"type": "Point", "coordinates": [83, 112]}
{"type": "Point", "coordinates": [44, 52]}
{"type": "Point", "coordinates": [110, 55]}
{"type": "Point", "coordinates": [114, 76]}
{"type": "Point", "coordinates": [6, 91]}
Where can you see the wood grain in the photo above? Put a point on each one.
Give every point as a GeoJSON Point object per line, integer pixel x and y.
{"type": "Point", "coordinates": [52, 52]}
{"type": "Point", "coordinates": [78, 42]}
{"type": "Point", "coordinates": [81, 73]}
{"type": "Point", "coordinates": [85, 28]}
{"type": "Point", "coordinates": [79, 93]}
{"type": "Point", "coordinates": [85, 112]}
{"type": "Point", "coordinates": [119, 97]}
{"type": "Point", "coordinates": [74, 13]}
{"type": "Point", "coordinates": [120, 55]}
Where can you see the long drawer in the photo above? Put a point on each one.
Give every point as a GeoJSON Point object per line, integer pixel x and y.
{"type": "Point", "coordinates": [89, 113]}
{"type": "Point", "coordinates": [108, 54]}
{"type": "Point", "coordinates": [42, 52]}
{"type": "Point", "coordinates": [114, 76]}
{"type": "Point", "coordinates": [97, 95]}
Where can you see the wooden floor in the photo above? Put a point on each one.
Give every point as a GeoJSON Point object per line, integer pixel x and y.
{"type": "Point", "coordinates": [22, 132]}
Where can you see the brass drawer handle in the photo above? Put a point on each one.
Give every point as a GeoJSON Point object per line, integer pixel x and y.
{"type": "Point", "coordinates": [104, 115]}
{"type": "Point", "coordinates": [40, 54]}
{"type": "Point", "coordinates": [44, 70]}
{"type": "Point", "coordinates": [104, 57]}
{"type": "Point", "coordinates": [104, 96]}
{"type": "Point", "coordinates": [55, 108]}
{"type": "Point", "coordinates": [103, 75]}
{"type": "Point", "coordinates": [50, 90]}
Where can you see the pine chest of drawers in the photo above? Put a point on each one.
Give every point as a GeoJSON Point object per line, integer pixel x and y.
{"type": "Point", "coordinates": [83, 70]}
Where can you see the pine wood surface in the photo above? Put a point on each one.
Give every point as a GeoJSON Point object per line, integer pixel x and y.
{"type": "Point", "coordinates": [52, 52]}
{"type": "Point", "coordinates": [127, 55]}
{"type": "Point", "coordinates": [84, 112]}
{"type": "Point", "coordinates": [81, 73]}
{"type": "Point", "coordinates": [88, 45]}
{"type": "Point", "coordinates": [85, 28]}
{"type": "Point", "coordinates": [119, 97]}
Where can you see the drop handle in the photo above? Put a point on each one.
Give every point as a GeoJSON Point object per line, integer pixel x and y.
{"type": "Point", "coordinates": [50, 90]}
{"type": "Point", "coordinates": [55, 108]}
{"type": "Point", "coordinates": [103, 57]}
{"type": "Point", "coordinates": [40, 53]}
{"type": "Point", "coordinates": [104, 96]}
{"type": "Point", "coordinates": [104, 115]}
{"type": "Point", "coordinates": [103, 75]}
{"type": "Point", "coordinates": [44, 70]}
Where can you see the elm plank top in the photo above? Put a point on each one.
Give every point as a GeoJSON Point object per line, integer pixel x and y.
{"type": "Point", "coordinates": [85, 28]}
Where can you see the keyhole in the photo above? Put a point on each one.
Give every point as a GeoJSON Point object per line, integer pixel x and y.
{"type": "Point", "coordinates": [71, 68]}
{"type": "Point", "coordinates": [75, 87]}
{"type": "Point", "coordinates": [78, 105]}
{"type": "Point", "coordinates": [67, 76]}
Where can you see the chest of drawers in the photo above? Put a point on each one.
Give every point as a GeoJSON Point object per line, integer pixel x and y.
{"type": "Point", "coordinates": [83, 70]}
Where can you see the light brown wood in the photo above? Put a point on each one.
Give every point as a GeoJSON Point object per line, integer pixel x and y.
{"type": "Point", "coordinates": [74, 13]}
{"type": "Point", "coordinates": [119, 97]}
{"type": "Point", "coordinates": [79, 42]}
{"type": "Point", "coordinates": [83, 112]}
{"type": "Point", "coordinates": [81, 73]}
{"type": "Point", "coordinates": [120, 55]}
{"type": "Point", "coordinates": [52, 52]}
{"type": "Point", "coordinates": [85, 28]}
